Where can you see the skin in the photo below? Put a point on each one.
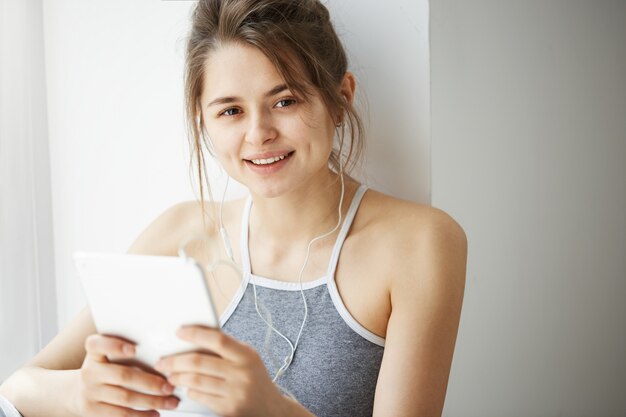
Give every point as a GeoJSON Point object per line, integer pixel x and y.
{"type": "Point", "coordinates": [401, 273]}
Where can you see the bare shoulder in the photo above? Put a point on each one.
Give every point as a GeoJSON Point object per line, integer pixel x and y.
{"type": "Point", "coordinates": [165, 233]}
{"type": "Point", "coordinates": [407, 219]}
{"type": "Point", "coordinates": [414, 236]}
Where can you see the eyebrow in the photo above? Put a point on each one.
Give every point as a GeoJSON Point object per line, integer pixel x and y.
{"type": "Point", "coordinates": [231, 99]}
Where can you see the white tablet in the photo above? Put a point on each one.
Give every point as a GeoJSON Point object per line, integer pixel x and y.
{"type": "Point", "coordinates": [145, 299]}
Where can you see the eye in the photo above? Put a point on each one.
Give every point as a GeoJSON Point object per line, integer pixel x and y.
{"type": "Point", "coordinates": [233, 111]}
{"type": "Point", "coordinates": [285, 102]}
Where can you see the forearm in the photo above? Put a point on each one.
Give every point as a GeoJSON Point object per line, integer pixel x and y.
{"type": "Point", "coordinates": [38, 392]}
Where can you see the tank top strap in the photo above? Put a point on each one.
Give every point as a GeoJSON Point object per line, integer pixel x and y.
{"type": "Point", "coordinates": [245, 251]}
{"type": "Point", "coordinates": [343, 232]}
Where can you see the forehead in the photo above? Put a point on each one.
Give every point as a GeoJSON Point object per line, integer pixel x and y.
{"type": "Point", "coordinates": [238, 69]}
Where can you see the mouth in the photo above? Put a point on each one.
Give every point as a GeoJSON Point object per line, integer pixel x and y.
{"type": "Point", "coordinates": [269, 161]}
{"type": "Point", "coordinates": [270, 164]}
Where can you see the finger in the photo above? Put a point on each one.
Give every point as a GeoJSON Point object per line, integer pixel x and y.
{"type": "Point", "coordinates": [194, 362]}
{"type": "Point", "coordinates": [99, 347]}
{"type": "Point", "coordinates": [216, 341]}
{"type": "Point", "coordinates": [110, 410]}
{"type": "Point", "coordinates": [217, 403]}
{"type": "Point", "coordinates": [127, 398]}
{"type": "Point", "coordinates": [132, 378]}
{"type": "Point", "coordinates": [207, 384]}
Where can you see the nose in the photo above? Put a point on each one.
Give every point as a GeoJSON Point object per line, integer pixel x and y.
{"type": "Point", "coordinates": [261, 128]}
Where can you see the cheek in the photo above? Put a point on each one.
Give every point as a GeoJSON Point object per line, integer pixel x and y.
{"type": "Point", "coordinates": [328, 133]}
{"type": "Point", "coordinates": [319, 126]}
{"type": "Point", "coordinates": [225, 147]}
{"type": "Point", "coordinates": [224, 142]}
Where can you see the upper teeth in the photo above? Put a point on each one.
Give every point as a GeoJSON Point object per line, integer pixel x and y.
{"type": "Point", "coordinates": [268, 160]}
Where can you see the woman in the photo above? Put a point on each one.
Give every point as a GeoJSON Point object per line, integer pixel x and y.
{"type": "Point", "coordinates": [364, 291]}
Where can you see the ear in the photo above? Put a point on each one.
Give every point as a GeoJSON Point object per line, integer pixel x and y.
{"type": "Point", "coordinates": [348, 87]}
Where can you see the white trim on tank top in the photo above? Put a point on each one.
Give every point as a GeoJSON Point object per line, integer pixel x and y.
{"type": "Point", "coordinates": [332, 267]}
{"type": "Point", "coordinates": [327, 279]}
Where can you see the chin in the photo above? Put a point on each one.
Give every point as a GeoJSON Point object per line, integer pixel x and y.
{"type": "Point", "coordinates": [268, 191]}
{"type": "Point", "coordinates": [275, 187]}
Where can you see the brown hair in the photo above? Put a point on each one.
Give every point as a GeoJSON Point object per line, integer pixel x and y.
{"type": "Point", "coordinates": [296, 36]}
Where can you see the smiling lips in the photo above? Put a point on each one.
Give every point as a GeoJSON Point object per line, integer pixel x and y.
{"type": "Point", "coordinates": [268, 158]}
{"type": "Point", "coordinates": [269, 162]}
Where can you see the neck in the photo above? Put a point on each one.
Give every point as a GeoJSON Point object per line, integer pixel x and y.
{"type": "Point", "coordinates": [310, 211]}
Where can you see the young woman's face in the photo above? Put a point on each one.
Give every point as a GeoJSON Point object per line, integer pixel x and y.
{"type": "Point", "coordinates": [263, 135]}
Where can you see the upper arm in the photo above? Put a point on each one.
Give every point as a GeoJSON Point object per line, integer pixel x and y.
{"type": "Point", "coordinates": [66, 350]}
{"type": "Point", "coordinates": [426, 296]}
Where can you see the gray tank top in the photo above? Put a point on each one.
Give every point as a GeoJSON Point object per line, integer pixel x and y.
{"type": "Point", "coordinates": [336, 364]}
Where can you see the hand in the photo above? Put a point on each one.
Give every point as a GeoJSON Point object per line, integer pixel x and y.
{"type": "Point", "coordinates": [232, 380]}
{"type": "Point", "coordinates": [109, 389]}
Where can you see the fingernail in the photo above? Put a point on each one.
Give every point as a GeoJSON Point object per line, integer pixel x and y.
{"type": "Point", "coordinates": [128, 350]}
{"type": "Point", "coordinates": [167, 388]}
{"type": "Point", "coordinates": [171, 403]}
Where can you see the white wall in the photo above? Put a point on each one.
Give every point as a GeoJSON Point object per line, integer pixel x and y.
{"type": "Point", "coordinates": [27, 282]}
{"type": "Point", "coordinates": [118, 148]}
{"type": "Point", "coordinates": [529, 155]}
